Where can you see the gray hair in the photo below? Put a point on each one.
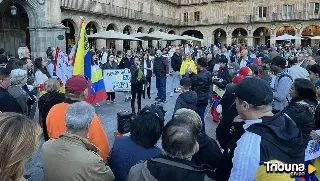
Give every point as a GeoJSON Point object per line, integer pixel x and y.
{"type": "Point", "coordinates": [17, 75]}
{"type": "Point", "coordinates": [190, 117]}
{"type": "Point", "coordinates": [179, 141]}
{"type": "Point", "coordinates": [21, 51]}
{"type": "Point", "coordinates": [78, 116]}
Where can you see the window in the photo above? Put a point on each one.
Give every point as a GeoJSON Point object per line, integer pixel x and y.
{"type": "Point", "coordinates": [287, 10]}
{"type": "Point", "coordinates": [316, 8]}
{"type": "Point", "coordinates": [197, 16]}
{"type": "Point", "coordinates": [185, 17]}
{"type": "Point", "coordinates": [262, 12]}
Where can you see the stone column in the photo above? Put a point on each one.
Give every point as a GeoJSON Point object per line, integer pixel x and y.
{"type": "Point", "coordinates": [100, 43]}
{"type": "Point", "coordinates": [119, 45]}
{"type": "Point", "coordinates": [298, 41]}
{"type": "Point", "coordinates": [144, 44]}
{"type": "Point", "coordinates": [229, 39]}
{"type": "Point", "coordinates": [250, 40]}
{"type": "Point", "coordinates": [133, 44]}
{"type": "Point", "coordinates": [43, 37]}
{"type": "Point", "coordinates": [155, 43]}
{"type": "Point", "coordinates": [273, 39]}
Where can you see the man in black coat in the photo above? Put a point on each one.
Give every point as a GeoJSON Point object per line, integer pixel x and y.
{"type": "Point", "coordinates": [161, 71]}
{"type": "Point", "coordinates": [176, 61]}
{"type": "Point", "coordinates": [201, 85]}
{"type": "Point", "coordinates": [7, 102]}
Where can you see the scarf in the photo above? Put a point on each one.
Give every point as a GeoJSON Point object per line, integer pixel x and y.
{"type": "Point", "coordinates": [140, 74]}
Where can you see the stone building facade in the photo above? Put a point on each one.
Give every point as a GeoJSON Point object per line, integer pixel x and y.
{"type": "Point", "coordinates": [42, 23]}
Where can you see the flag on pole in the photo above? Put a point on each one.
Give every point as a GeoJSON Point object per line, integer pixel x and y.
{"type": "Point", "coordinates": [83, 66]}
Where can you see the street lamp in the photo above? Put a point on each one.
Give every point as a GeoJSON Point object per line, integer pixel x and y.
{"type": "Point", "coordinates": [261, 33]}
{"type": "Point", "coordinates": [13, 9]}
{"type": "Point", "coordinates": [219, 34]}
{"type": "Point", "coordinates": [239, 34]}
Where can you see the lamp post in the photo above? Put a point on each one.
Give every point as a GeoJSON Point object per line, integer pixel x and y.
{"type": "Point", "coordinates": [68, 29]}
{"type": "Point", "coordinates": [91, 30]}
{"type": "Point", "coordinates": [13, 9]}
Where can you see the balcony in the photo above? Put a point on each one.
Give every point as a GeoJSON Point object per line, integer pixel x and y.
{"type": "Point", "coordinates": [289, 16]}
{"type": "Point", "coordinates": [115, 11]}
{"type": "Point", "coordinates": [239, 19]}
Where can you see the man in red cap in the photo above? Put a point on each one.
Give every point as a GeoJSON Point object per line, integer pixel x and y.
{"type": "Point", "coordinates": [77, 88]}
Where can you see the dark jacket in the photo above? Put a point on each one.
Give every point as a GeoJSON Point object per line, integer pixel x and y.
{"type": "Point", "coordinates": [134, 76]}
{"type": "Point", "coordinates": [126, 153]}
{"type": "Point", "coordinates": [21, 96]}
{"type": "Point", "coordinates": [209, 152]}
{"type": "Point", "coordinates": [225, 76]}
{"type": "Point", "coordinates": [126, 63]}
{"type": "Point", "coordinates": [201, 85]}
{"type": "Point", "coordinates": [107, 65]}
{"type": "Point", "coordinates": [229, 112]}
{"type": "Point", "coordinates": [46, 102]}
{"type": "Point", "coordinates": [186, 100]}
{"type": "Point", "coordinates": [176, 61]}
{"type": "Point", "coordinates": [164, 168]}
{"type": "Point", "coordinates": [8, 103]}
{"type": "Point", "coordinates": [160, 67]}
{"type": "Point", "coordinates": [302, 113]}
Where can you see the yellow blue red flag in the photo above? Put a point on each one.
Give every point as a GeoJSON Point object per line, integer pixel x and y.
{"type": "Point", "coordinates": [83, 66]}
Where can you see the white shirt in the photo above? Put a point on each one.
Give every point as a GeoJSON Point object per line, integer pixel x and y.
{"type": "Point", "coordinates": [40, 77]}
{"type": "Point", "coordinates": [246, 155]}
{"type": "Point", "coordinates": [296, 71]}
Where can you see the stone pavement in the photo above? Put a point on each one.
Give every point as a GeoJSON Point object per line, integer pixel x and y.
{"type": "Point", "coordinates": [108, 116]}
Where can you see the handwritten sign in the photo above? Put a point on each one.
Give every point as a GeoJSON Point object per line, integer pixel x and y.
{"type": "Point", "coordinates": [63, 69]}
{"type": "Point", "coordinates": [313, 149]}
{"type": "Point", "coordinates": [117, 80]}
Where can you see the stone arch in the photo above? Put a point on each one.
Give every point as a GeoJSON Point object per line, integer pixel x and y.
{"type": "Point", "coordinates": [172, 32]}
{"type": "Point", "coordinates": [239, 36]}
{"type": "Point", "coordinates": [35, 12]}
{"type": "Point", "coordinates": [140, 30]}
{"type": "Point", "coordinates": [70, 35]}
{"type": "Point", "coordinates": [195, 33]}
{"type": "Point", "coordinates": [219, 36]}
{"type": "Point", "coordinates": [151, 30]}
{"type": "Point", "coordinates": [161, 30]}
{"type": "Point", "coordinates": [127, 29]}
{"type": "Point", "coordinates": [92, 25]}
{"type": "Point", "coordinates": [112, 26]}
{"type": "Point", "coordinates": [289, 29]}
{"type": "Point", "coordinates": [261, 35]}
{"type": "Point", "coordinates": [310, 30]}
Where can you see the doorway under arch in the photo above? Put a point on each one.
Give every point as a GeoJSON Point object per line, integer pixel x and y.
{"type": "Point", "coordinates": [261, 36]}
{"type": "Point", "coordinates": [70, 34]}
{"type": "Point", "coordinates": [220, 37]}
{"type": "Point", "coordinates": [91, 28]}
{"type": "Point", "coordinates": [239, 36]}
{"type": "Point", "coordinates": [126, 43]}
{"type": "Point", "coordinates": [194, 33]}
{"type": "Point", "coordinates": [14, 31]}
{"type": "Point", "coordinates": [310, 31]}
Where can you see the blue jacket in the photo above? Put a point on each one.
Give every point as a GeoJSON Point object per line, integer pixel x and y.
{"type": "Point", "coordinates": [126, 153]}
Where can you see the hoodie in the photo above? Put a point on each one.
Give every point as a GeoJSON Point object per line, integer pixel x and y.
{"type": "Point", "coordinates": [186, 100]}
{"type": "Point", "coordinates": [269, 138]}
{"type": "Point", "coordinates": [209, 152]}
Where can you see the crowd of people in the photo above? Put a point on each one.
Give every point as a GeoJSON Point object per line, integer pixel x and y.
{"type": "Point", "coordinates": [269, 112]}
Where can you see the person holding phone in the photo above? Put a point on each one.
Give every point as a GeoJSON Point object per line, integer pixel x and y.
{"type": "Point", "coordinates": [138, 81]}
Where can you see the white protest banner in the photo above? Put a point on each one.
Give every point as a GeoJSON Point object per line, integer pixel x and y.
{"type": "Point", "coordinates": [117, 80]}
{"type": "Point", "coordinates": [62, 68]}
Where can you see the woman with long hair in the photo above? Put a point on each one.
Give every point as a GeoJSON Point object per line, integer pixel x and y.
{"type": "Point", "coordinates": [110, 64]}
{"type": "Point", "coordinates": [302, 107]}
{"type": "Point", "coordinates": [42, 73]}
{"type": "Point", "coordinates": [19, 139]}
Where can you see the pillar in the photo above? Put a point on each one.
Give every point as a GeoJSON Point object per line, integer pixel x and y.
{"type": "Point", "coordinates": [43, 37]}
{"type": "Point", "coordinates": [133, 44]}
{"type": "Point", "coordinates": [119, 45]}
{"type": "Point", "coordinates": [100, 43]}
{"type": "Point", "coordinates": [145, 44]}
{"type": "Point", "coordinates": [250, 40]}
{"type": "Point", "coordinates": [229, 39]}
{"type": "Point", "coordinates": [273, 40]}
{"type": "Point", "coordinates": [155, 43]}
{"type": "Point", "coordinates": [298, 41]}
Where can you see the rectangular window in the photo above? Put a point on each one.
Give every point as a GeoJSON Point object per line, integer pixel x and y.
{"type": "Point", "coordinates": [262, 12]}
{"type": "Point", "coordinates": [185, 17]}
{"type": "Point", "coordinates": [287, 10]}
{"type": "Point", "coordinates": [316, 8]}
{"type": "Point", "coordinates": [197, 16]}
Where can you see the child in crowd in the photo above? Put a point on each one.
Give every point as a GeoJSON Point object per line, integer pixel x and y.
{"type": "Point", "coordinates": [187, 99]}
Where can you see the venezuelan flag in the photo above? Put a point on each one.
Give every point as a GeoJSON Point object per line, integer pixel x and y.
{"type": "Point", "coordinates": [83, 66]}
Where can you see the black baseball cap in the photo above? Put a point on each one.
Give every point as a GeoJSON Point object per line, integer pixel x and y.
{"type": "Point", "coordinates": [254, 91]}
